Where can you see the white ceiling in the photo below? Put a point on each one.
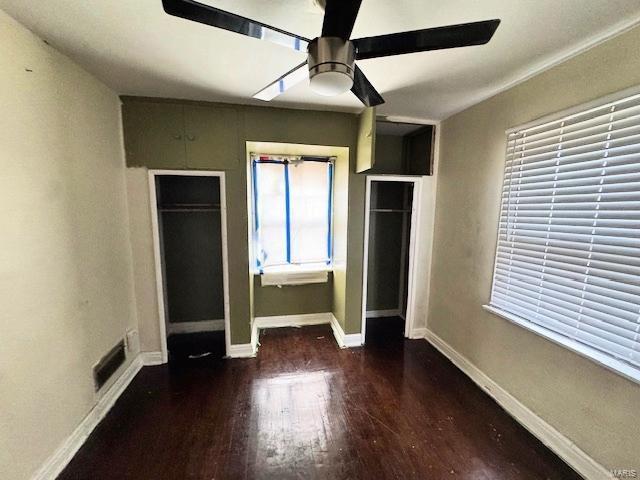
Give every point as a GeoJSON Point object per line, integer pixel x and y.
{"type": "Point", "coordinates": [135, 48]}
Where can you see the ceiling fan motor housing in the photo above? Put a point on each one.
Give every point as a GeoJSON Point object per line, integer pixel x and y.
{"type": "Point", "coordinates": [331, 57]}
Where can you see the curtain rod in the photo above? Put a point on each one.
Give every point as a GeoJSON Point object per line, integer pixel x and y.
{"type": "Point", "coordinates": [277, 156]}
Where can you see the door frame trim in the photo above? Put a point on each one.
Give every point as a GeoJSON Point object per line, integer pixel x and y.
{"type": "Point", "coordinates": [414, 242]}
{"type": "Point", "coordinates": [160, 289]}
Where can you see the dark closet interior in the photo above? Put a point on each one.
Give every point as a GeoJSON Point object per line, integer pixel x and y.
{"type": "Point", "coordinates": [403, 149]}
{"type": "Point", "coordinates": [191, 247]}
{"type": "Point", "coordinates": [388, 258]}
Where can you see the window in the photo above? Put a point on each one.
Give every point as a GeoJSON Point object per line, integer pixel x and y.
{"type": "Point", "coordinates": [568, 253]}
{"type": "Point", "coordinates": [292, 210]}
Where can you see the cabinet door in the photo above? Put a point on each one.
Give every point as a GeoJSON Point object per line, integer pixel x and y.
{"type": "Point", "coordinates": [154, 134]}
{"type": "Point", "coordinates": [212, 137]}
{"type": "Point", "coordinates": [366, 147]}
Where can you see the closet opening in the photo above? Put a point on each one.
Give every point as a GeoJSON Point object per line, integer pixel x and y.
{"type": "Point", "coordinates": [389, 256]}
{"type": "Point", "coordinates": [189, 217]}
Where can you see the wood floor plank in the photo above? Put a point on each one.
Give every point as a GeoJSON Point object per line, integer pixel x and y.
{"type": "Point", "coordinates": [304, 409]}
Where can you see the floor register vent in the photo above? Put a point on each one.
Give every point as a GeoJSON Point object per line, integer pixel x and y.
{"type": "Point", "coordinates": [109, 364]}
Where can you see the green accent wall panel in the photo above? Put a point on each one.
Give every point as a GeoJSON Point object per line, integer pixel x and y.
{"type": "Point", "coordinates": [154, 134]}
{"type": "Point", "coordinates": [150, 126]}
{"type": "Point", "coordinates": [292, 299]}
{"type": "Point", "coordinates": [212, 136]}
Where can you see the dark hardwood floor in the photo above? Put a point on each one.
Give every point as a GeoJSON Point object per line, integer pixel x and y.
{"type": "Point", "coordinates": [304, 409]}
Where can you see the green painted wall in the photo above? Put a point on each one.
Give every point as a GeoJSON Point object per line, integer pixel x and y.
{"type": "Point", "coordinates": [265, 124]}
{"type": "Point", "coordinates": [292, 299]}
{"type": "Point", "coordinates": [355, 253]}
{"type": "Point", "coordinates": [388, 154]}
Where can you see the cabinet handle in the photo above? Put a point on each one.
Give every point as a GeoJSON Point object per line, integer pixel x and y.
{"type": "Point", "coordinates": [191, 138]}
{"type": "Point", "coordinates": [177, 137]}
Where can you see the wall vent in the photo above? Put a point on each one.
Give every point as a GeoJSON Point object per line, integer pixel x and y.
{"type": "Point", "coordinates": [108, 365]}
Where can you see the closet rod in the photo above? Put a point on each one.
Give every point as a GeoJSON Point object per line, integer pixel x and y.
{"type": "Point", "coordinates": [189, 210]}
{"type": "Point", "coordinates": [186, 205]}
{"type": "Point", "coordinates": [389, 210]}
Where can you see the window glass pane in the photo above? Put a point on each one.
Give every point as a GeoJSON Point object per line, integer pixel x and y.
{"type": "Point", "coordinates": [309, 207]}
{"type": "Point", "coordinates": [270, 238]}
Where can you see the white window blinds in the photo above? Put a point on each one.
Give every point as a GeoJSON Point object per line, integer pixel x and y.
{"type": "Point", "coordinates": [568, 254]}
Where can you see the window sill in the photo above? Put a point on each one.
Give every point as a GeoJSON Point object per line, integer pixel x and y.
{"type": "Point", "coordinates": [294, 275]}
{"type": "Point", "coordinates": [314, 267]}
{"type": "Point", "coordinates": [616, 366]}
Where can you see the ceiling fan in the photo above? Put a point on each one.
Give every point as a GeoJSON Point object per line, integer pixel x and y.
{"type": "Point", "coordinates": [332, 55]}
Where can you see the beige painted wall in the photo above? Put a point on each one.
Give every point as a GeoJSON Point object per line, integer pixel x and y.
{"type": "Point", "coordinates": [426, 234]}
{"type": "Point", "coordinates": [66, 285]}
{"type": "Point", "coordinates": [593, 407]}
{"type": "Point", "coordinates": [143, 260]}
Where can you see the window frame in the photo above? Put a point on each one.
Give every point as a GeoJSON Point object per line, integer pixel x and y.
{"type": "Point", "coordinates": [290, 267]}
{"type": "Point", "coordinates": [617, 366]}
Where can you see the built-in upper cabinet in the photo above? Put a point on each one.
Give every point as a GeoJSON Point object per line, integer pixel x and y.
{"type": "Point", "coordinates": [403, 148]}
{"type": "Point", "coordinates": [154, 134]}
{"type": "Point", "coordinates": [212, 136]}
{"type": "Point", "coordinates": [418, 150]}
{"type": "Point", "coordinates": [366, 146]}
{"type": "Point", "coordinates": [167, 135]}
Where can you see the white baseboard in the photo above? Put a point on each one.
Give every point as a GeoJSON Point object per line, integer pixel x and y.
{"type": "Point", "coordinates": [558, 443]}
{"type": "Point", "coordinates": [419, 332]}
{"type": "Point", "coordinates": [292, 320]}
{"type": "Point", "coordinates": [243, 350]}
{"type": "Point", "coordinates": [151, 358]}
{"type": "Point", "coordinates": [195, 327]}
{"type": "Point", "coordinates": [54, 465]}
{"type": "Point", "coordinates": [394, 312]}
{"type": "Point", "coordinates": [345, 340]}
{"type": "Point", "coordinates": [255, 336]}
{"type": "Point", "coordinates": [278, 321]}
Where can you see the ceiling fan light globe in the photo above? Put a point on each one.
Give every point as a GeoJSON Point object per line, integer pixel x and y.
{"type": "Point", "coordinates": [330, 83]}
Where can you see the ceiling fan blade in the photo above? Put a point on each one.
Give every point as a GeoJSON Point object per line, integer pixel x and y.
{"type": "Point", "coordinates": [201, 13]}
{"type": "Point", "coordinates": [285, 82]}
{"type": "Point", "coordinates": [452, 36]}
{"type": "Point", "coordinates": [363, 89]}
{"type": "Point", "coordinates": [339, 18]}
